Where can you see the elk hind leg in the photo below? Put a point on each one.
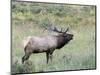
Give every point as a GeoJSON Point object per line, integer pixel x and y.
{"type": "Point", "coordinates": [25, 57]}
{"type": "Point", "coordinates": [51, 55]}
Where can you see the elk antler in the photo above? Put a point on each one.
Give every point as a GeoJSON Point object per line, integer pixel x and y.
{"type": "Point", "coordinates": [56, 30]}
{"type": "Point", "coordinates": [66, 30]}
{"type": "Point", "coordinates": [61, 31]}
{"type": "Point", "coordinates": [53, 28]}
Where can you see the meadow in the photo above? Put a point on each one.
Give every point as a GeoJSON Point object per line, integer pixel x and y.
{"type": "Point", "coordinates": [30, 19]}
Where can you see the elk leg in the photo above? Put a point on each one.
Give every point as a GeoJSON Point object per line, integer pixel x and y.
{"type": "Point", "coordinates": [25, 57]}
{"type": "Point", "coordinates": [51, 58]}
{"type": "Point", "coordinates": [47, 56]}
{"type": "Point", "coordinates": [51, 55]}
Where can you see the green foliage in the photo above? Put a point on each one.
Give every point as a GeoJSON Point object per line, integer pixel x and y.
{"type": "Point", "coordinates": [36, 9]}
{"type": "Point", "coordinates": [44, 23]}
{"type": "Point", "coordinates": [22, 68]}
{"type": "Point", "coordinates": [56, 13]}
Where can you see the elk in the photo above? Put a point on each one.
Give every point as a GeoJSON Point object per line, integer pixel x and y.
{"type": "Point", "coordinates": [46, 44]}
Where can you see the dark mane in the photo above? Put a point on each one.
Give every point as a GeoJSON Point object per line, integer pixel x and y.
{"type": "Point", "coordinates": [61, 41]}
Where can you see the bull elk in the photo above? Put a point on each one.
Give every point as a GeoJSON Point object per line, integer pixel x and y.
{"type": "Point", "coordinates": [46, 44]}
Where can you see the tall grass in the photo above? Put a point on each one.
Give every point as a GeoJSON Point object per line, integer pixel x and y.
{"type": "Point", "coordinates": [29, 19]}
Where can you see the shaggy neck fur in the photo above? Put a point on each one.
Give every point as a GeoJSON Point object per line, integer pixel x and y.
{"type": "Point", "coordinates": [61, 41]}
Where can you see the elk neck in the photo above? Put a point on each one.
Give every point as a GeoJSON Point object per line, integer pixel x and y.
{"type": "Point", "coordinates": [61, 41]}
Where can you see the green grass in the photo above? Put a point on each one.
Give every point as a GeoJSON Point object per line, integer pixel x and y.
{"type": "Point", "coordinates": [28, 21]}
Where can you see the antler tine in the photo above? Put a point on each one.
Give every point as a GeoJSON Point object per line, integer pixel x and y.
{"type": "Point", "coordinates": [67, 29]}
{"type": "Point", "coordinates": [61, 29]}
{"type": "Point", "coordinates": [56, 30]}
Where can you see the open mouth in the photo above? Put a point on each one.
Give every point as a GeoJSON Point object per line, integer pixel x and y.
{"type": "Point", "coordinates": [72, 37]}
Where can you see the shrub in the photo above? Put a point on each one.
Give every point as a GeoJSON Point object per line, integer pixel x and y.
{"type": "Point", "coordinates": [22, 68]}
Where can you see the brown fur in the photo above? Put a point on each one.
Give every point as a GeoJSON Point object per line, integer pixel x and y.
{"type": "Point", "coordinates": [63, 39]}
{"type": "Point", "coordinates": [45, 44]}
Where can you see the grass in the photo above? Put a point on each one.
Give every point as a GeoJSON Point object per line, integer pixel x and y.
{"type": "Point", "coordinates": [78, 54]}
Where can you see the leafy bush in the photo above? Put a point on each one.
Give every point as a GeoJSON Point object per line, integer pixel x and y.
{"type": "Point", "coordinates": [22, 68]}
{"type": "Point", "coordinates": [44, 23]}
{"type": "Point", "coordinates": [35, 9]}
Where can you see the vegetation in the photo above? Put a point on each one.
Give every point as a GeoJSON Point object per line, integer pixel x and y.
{"type": "Point", "coordinates": [29, 19]}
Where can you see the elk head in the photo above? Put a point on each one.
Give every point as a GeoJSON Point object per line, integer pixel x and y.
{"type": "Point", "coordinates": [63, 37]}
{"type": "Point", "coordinates": [63, 33]}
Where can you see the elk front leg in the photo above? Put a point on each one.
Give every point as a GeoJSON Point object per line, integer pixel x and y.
{"type": "Point", "coordinates": [47, 56]}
